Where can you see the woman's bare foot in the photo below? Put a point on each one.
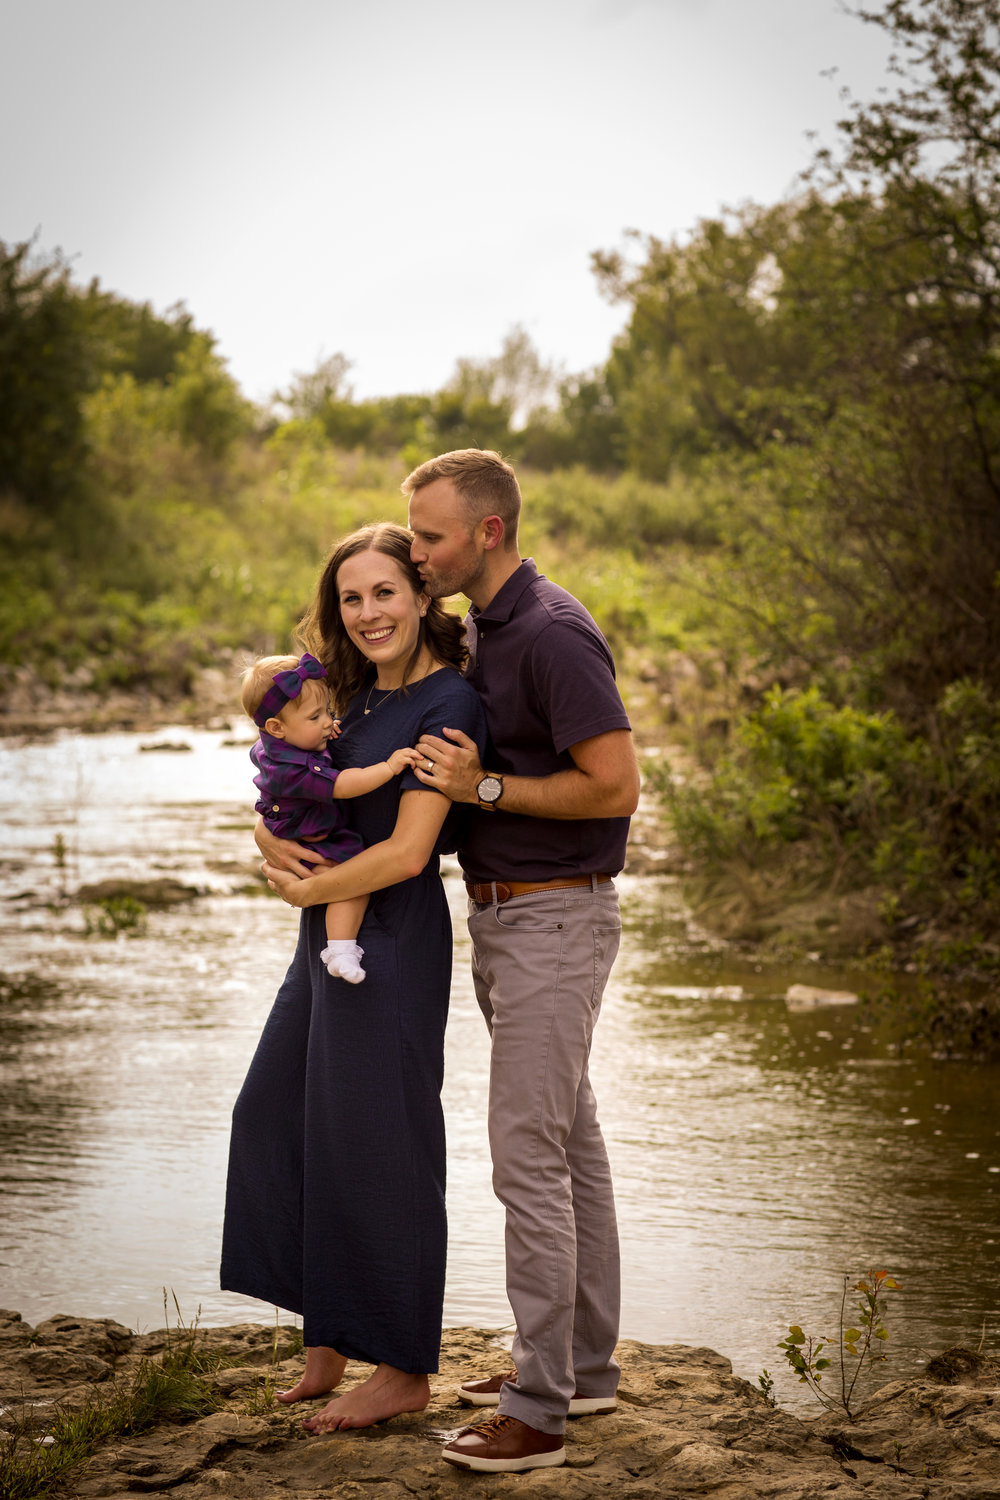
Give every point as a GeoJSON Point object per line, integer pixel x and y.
{"type": "Point", "coordinates": [386, 1393]}
{"type": "Point", "coordinates": [324, 1370]}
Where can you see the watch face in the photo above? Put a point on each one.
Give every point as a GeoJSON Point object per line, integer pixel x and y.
{"type": "Point", "coordinates": [489, 789]}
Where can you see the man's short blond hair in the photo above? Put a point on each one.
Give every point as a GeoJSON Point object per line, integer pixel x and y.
{"type": "Point", "coordinates": [484, 482]}
{"type": "Point", "coordinates": [259, 676]}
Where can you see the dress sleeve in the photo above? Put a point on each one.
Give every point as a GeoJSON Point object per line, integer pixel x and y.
{"type": "Point", "coordinates": [455, 705]}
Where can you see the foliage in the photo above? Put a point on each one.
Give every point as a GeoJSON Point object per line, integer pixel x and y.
{"type": "Point", "coordinates": [507, 402]}
{"type": "Point", "coordinates": [870, 802]}
{"type": "Point", "coordinates": [57, 342]}
{"type": "Point", "coordinates": [115, 915]}
{"type": "Point", "coordinates": [828, 369]}
{"type": "Point", "coordinates": [946, 1022]}
{"type": "Point", "coordinates": [800, 767]}
{"type": "Point", "coordinates": [859, 1349]}
{"type": "Point", "coordinates": [835, 357]}
{"type": "Point", "coordinates": [313, 391]}
{"type": "Point", "coordinates": [46, 365]}
{"type": "Point", "coordinates": [34, 1462]}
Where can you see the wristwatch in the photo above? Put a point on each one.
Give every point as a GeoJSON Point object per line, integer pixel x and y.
{"type": "Point", "coordinates": [489, 791]}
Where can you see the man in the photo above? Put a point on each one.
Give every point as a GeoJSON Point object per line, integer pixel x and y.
{"type": "Point", "coordinates": [555, 796]}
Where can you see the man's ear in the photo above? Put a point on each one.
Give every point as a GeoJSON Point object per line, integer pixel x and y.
{"type": "Point", "coordinates": [493, 530]}
{"type": "Point", "coordinates": [275, 728]}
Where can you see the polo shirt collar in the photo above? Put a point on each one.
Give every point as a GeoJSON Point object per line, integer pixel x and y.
{"type": "Point", "coordinates": [504, 602]}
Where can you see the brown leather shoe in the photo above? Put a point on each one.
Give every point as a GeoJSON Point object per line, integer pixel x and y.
{"type": "Point", "coordinates": [487, 1393]}
{"type": "Point", "coordinates": [503, 1445]}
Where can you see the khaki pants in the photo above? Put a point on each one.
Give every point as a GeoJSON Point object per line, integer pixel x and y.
{"type": "Point", "coordinates": [540, 963]}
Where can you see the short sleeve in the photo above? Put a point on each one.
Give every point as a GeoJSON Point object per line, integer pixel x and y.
{"type": "Point", "coordinates": [454, 705]}
{"type": "Point", "coordinates": [573, 677]}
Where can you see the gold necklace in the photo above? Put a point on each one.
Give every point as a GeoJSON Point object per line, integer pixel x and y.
{"type": "Point", "coordinates": [388, 694]}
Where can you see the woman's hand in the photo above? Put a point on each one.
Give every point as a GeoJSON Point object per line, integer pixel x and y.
{"type": "Point", "coordinates": [285, 854]}
{"type": "Point", "coordinates": [290, 887]}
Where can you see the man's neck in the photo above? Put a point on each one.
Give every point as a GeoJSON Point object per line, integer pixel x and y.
{"type": "Point", "coordinates": [499, 567]}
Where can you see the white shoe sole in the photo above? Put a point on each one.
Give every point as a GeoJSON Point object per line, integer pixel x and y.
{"type": "Point", "coordinates": [579, 1406]}
{"type": "Point", "coordinates": [506, 1465]}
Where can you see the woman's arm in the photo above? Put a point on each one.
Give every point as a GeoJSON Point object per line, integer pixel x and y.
{"type": "Point", "coordinates": [399, 857]}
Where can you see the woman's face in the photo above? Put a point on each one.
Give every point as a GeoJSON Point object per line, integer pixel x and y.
{"type": "Point", "coordinates": [381, 611]}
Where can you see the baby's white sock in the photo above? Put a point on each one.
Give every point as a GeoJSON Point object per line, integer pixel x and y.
{"type": "Point", "coordinates": [343, 960]}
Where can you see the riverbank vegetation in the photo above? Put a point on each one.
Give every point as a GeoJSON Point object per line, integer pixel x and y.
{"type": "Point", "coordinates": [780, 497]}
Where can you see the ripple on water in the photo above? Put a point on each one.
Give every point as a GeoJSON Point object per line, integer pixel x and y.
{"type": "Point", "coordinates": [757, 1154]}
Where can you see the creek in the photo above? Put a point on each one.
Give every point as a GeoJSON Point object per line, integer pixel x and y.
{"type": "Point", "coordinates": [759, 1153]}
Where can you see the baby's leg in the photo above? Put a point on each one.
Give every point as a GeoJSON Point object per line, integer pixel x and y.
{"type": "Point", "coordinates": [344, 918]}
{"type": "Point", "coordinates": [342, 955]}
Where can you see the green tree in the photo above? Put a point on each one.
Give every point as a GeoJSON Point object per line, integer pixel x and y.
{"type": "Point", "coordinates": [834, 361]}
{"type": "Point", "coordinates": [312, 393]}
{"type": "Point", "coordinates": [204, 401]}
{"type": "Point", "coordinates": [131, 339]}
{"type": "Point", "coordinates": [47, 365]}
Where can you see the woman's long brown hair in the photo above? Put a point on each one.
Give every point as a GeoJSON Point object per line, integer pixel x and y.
{"type": "Point", "coordinates": [321, 629]}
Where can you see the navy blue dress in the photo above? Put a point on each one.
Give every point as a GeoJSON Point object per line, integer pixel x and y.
{"type": "Point", "coordinates": [335, 1197]}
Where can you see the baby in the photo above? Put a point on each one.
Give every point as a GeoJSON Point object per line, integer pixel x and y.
{"type": "Point", "coordinates": [299, 789]}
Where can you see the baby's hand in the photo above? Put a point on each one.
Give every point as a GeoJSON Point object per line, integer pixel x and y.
{"type": "Point", "coordinates": [335, 731]}
{"type": "Point", "coordinates": [400, 759]}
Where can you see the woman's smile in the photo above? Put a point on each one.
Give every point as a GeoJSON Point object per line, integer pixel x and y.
{"type": "Point", "coordinates": [381, 612]}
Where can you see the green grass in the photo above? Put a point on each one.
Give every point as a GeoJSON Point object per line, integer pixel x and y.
{"type": "Point", "coordinates": [171, 1388]}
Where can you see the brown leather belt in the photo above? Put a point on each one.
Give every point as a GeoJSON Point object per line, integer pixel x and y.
{"type": "Point", "coordinates": [504, 889]}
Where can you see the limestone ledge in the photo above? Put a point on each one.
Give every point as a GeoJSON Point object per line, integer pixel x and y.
{"type": "Point", "coordinates": [686, 1426]}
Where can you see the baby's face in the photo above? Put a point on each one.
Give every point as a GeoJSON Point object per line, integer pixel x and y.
{"type": "Point", "coordinates": [307, 721]}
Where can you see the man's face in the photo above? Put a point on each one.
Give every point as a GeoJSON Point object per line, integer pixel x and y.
{"type": "Point", "coordinates": [447, 548]}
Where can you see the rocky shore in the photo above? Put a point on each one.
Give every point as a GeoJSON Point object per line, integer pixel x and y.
{"type": "Point", "coordinates": [685, 1426]}
{"type": "Point", "coordinates": [29, 706]}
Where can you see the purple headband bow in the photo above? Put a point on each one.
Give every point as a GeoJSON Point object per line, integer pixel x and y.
{"type": "Point", "coordinates": [287, 685]}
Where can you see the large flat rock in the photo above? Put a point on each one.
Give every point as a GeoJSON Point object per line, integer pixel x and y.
{"type": "Point", "coordinates": [686, 1426]}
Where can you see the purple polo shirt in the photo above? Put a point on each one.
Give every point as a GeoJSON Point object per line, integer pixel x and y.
{"type": "Point", "coordinates": [546, 679]}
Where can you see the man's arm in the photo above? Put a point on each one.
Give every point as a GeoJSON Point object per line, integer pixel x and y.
{"type": "Point", "coordinates": [602, 783]}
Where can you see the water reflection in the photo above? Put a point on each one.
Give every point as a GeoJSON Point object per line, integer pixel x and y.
{"type": "Point", "coordinates": [757, 1152]}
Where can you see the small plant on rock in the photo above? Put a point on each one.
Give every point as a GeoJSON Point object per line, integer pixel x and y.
{"type": "Point", "coordinates": [114, 915]}
{"type": "Point", "coordinates": [860, 1348]}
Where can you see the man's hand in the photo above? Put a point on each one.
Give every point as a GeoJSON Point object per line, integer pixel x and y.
{"type": "Point", "coordinates": [453, 769]}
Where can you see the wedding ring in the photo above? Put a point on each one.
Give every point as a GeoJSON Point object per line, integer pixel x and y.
{"type": "Point", "coordinates": [430, 766]}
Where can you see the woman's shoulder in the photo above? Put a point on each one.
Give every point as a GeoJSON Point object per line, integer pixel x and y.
{"type": "Point", "coordinates": [448, 682]}
{"type": "Point", "coordinates": [449, 696]}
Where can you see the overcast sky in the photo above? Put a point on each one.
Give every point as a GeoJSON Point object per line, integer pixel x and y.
{"type": "Point", "coordinates": [400, 182]}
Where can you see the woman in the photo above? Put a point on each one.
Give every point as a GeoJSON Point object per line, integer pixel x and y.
{"type": "Point", "coordinates": [335, 1198]}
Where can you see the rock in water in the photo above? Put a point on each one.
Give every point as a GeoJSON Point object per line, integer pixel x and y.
{"type": "Point", "coordinates": [809, 997]}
